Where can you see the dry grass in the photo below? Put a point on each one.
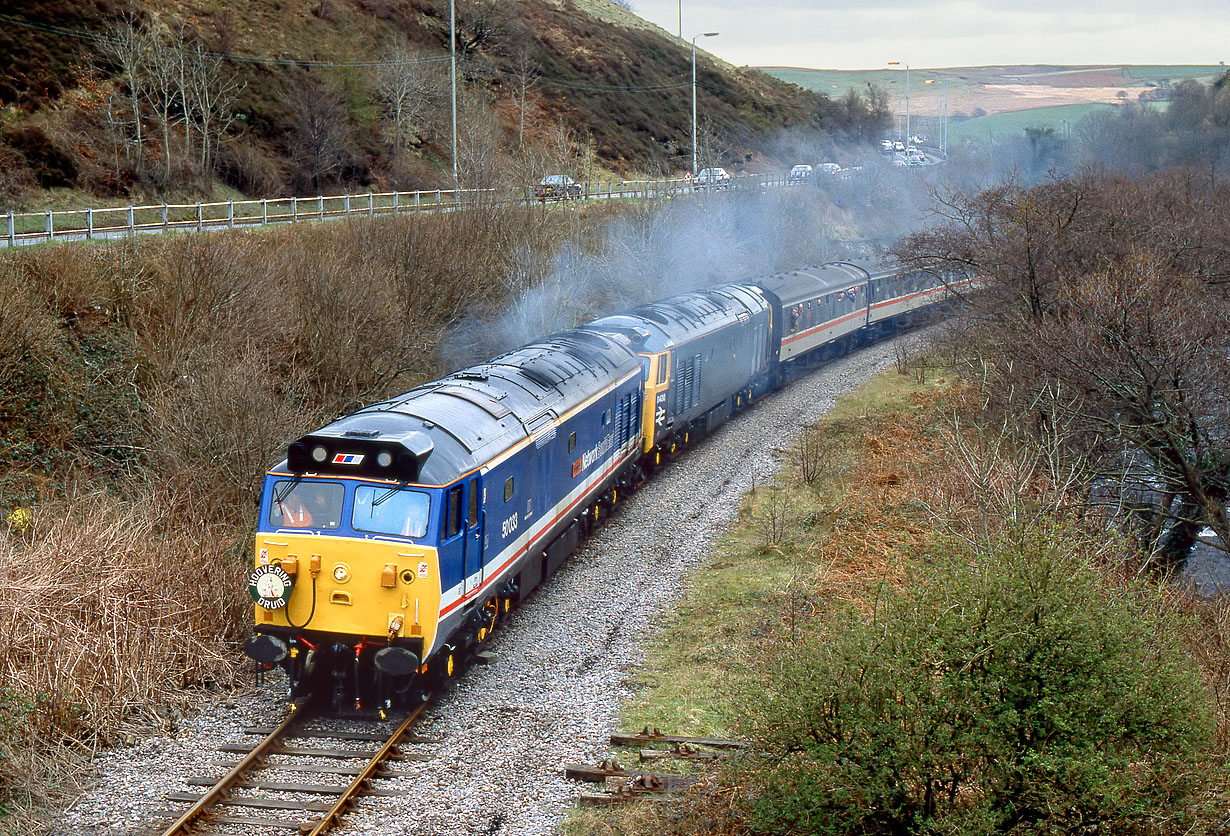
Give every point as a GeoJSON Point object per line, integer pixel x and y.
{"type": "Point", "coordinates": [106, 616]}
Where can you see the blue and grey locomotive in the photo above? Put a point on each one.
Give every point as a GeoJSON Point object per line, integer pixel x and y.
{"type": "Point", "coordinates": [392, 540]}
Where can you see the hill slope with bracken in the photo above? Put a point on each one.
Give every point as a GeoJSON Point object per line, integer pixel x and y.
{"type": "Point", "coordinates": [151, 96]}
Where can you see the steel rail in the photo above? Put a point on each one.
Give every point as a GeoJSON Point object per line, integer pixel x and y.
{"type": "Point", "coordinates": [361, 780]}
{"type": "Point", "coordinates": [228, 781]}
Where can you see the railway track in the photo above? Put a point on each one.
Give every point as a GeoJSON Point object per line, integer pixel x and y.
{"type": "Point", "coordinates": [283, 784]}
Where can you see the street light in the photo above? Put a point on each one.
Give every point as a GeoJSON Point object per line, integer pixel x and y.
{"type": "Point", "coordinates": [702, 35]}
{"type": "Point", "coordinates": [452, 52]}
{"type": "Point", "coordinates": [907, 101]}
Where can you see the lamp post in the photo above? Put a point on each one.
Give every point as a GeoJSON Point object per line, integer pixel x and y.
{"type": "Point", "coordinates": [907, 101]}
{"type": "Point", "coordinates": [452, 51]}
{"type": "Point", "coordinates": [702, 35]}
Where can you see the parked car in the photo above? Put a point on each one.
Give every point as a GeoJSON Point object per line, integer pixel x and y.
{"type": "Point", "coordinates": [711, 178]}
{"type": "Point", "coordinates": [828, 168]}
{"type": "Point", "coordinates": [557, 187]}
{"type": "Point", "coordinates": [799, 173]}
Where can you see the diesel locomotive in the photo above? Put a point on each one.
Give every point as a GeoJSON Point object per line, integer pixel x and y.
{"type": "Point", "coordinates": [392, 540]}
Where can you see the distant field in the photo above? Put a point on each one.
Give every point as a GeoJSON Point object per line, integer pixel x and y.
{"type": "Point", "coordinates": [1000, 125]}
{"type": "Point", "coordinates": [1154, 71]}
{"type": "Point", "coordinates": [1045, 90]}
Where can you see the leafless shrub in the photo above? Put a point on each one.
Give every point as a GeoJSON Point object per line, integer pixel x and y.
{"type": "Point", "coordinates": [773, 513]}
{"type": "Point", "coordinates": [104, 616]}
{"type": "Point", "coordinates": [813, 454]}
{"type": "Point", "coordinates": [16, 179]}
{"type": "Point", "coordinates": [248, 167]}
{"type": "Point", "coordinates": [26, 332]}
{"type": "Point", "coordinates": [901, 356]}
{"type": "Point", "coordinates": [1017, 474]}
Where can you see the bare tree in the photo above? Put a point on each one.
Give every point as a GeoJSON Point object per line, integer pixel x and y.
{"type": "Point", "coordinates": [478, 140]}
{"type": "Point", "coordinates": [1110, 293]}
{"type": "Point", "coordinates": [711, 148]}
{"type": "Point", "coordinates": [164, 87]}
{"type": "Point", "coordinates": [209, 93]}
{"type": "Point", "coordinates": [482, 25]}
{"type": "Point", "coordinates": [523, 78]}
{"type": "Point", "coordinates": [129, 46]}
{"type": "Point", "coordinates": [411, 87]}
{"type": "Point", "coordinates": [320, 138]}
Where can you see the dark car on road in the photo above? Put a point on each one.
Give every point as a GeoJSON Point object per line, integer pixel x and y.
{"type": "Point", "coordinates": [557, 187]}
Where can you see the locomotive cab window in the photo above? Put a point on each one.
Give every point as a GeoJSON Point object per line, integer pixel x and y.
{"type": "Point", "coordinates": [306, 505]}
{"type": "Point", "coordinates": [390, 511]}
{"type": "Point", "coordinates": [473, 503]}
{"type": "Point", "coordinates": [452, 523]}
{"type": "Point", "coordinates": [664, 367]}
{"type": "Point", "coordinates": [508, 489]}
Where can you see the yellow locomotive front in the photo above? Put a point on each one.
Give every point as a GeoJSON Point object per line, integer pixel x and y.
{"type": "Point", "coordinates": [346, 585]}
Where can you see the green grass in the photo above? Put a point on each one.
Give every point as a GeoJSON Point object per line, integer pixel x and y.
{"type": "Point", "coordinates": [1149, 72]}
{"type": "Point", "coordinates": [737, 599]}
{"type": "Point", "coordinates": [834, 82]}
{"type": "Point", "coordinates": [1013, 123]}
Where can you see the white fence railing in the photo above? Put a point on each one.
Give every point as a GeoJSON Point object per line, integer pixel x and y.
{"type": "Point", "coordinates": [108, 223]}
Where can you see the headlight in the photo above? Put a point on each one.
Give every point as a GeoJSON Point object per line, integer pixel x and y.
{"type": "Point", "coordinates": [319, 453]}
{"type": "Point", "coordinates": [384, 458]}
{"type": "Point", "coordinates": [341, 573]}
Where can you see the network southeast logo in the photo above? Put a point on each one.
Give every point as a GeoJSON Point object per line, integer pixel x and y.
{"type": "Point", "coordinates": [590, 456]}
{"type": "Point", "coordinates": [348, 458]}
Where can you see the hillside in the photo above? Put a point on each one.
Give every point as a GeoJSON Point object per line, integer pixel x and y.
{"type": "Point", "coordinates": [117, 98]}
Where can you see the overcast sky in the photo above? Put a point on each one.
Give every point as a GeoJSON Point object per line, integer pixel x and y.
{"type": "Point", "coordinates": [948, 33]}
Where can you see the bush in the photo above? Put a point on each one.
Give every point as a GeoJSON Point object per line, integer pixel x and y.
{"type": "Point", "coordinates": [1009, 691]}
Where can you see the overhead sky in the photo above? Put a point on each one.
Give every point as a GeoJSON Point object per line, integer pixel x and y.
{"type": "Point", "coordinates": [838, 34]}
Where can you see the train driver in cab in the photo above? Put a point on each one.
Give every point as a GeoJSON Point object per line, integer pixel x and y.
{"type": "Point", "coordinates": [308, 505]}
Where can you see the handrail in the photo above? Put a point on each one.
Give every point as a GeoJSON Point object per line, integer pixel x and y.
{"type": "Point", "coordinates": [120, 221]}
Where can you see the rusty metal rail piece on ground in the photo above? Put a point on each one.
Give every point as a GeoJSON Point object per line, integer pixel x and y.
{"type": "Point", "coordinates": [655, 736]}
{"type": "Point", "coordinates": [680, 751]}
{"type": "Point", "coordinates": [225, 784]}
{"type": "Point", "coordinates": [658, 781]}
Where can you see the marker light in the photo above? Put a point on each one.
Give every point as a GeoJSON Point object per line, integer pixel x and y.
{"type": "Point", "coordinates": [341, 573]}
{"type": "Point", "coordinates": [319, 453]}
{"type": "Point", "coordinates": [384, 458]}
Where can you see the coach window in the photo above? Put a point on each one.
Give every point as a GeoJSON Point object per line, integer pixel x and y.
{"type": "Point", "coordinates": [572, 442]}
{"type": "Point", "coordinates": [508, 489]}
